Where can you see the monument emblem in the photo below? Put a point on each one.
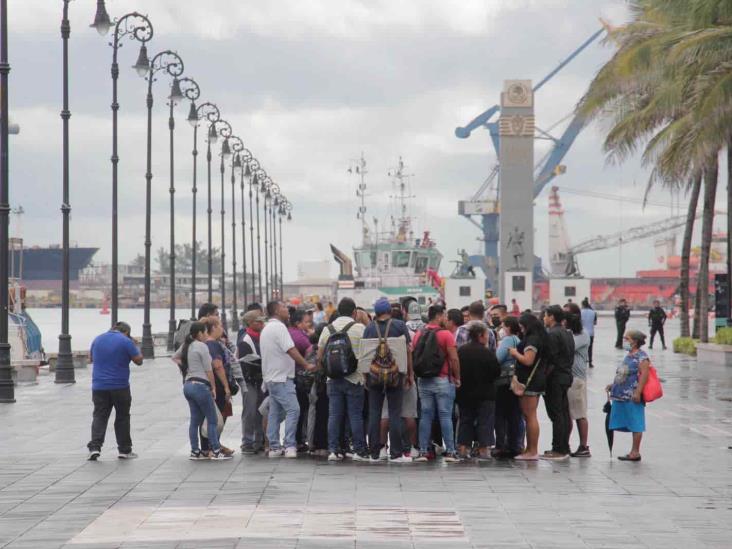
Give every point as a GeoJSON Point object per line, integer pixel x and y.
{"type": "Point", "coordinates": [516, 245]}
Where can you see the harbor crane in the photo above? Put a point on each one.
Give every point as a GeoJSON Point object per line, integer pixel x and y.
{"type": "Point", "coordinates": [484, 203]}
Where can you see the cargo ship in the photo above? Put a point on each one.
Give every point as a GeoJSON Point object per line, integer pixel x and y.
{"type": "Point", "coordinates": [40, 267]}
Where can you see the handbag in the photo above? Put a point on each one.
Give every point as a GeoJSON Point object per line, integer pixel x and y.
{"type": "Point", "coordinates": [219, 424]}
{"type": "Point", "coordinates": [519, 388]}
{"type": "Point", "coordinates": [652, 389]}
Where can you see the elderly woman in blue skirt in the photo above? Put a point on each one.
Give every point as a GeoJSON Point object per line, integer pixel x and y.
{"type": "Point", "coordinates": [628, 412]}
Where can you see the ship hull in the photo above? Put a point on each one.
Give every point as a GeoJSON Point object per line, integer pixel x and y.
{"type": "Point", "coordinates": [47, 263]}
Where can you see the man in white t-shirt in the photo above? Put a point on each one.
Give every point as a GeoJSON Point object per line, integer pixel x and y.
{"type": "Point", "coordinates": [279, 356]}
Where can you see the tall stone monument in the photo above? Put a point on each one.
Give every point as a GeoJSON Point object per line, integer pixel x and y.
{"type": "Point", "coordinates": [516, 160]}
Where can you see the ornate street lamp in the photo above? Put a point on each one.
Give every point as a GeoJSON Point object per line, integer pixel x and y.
{"type": "Point", "coordinates": [225, 154]}
{"type": "Point", "coordinates": [244, 174]}
{"type": "Point", "coordinates": [254, 183]}
{"type": "Point", "coordinates": [273, 208]}
{"type": "Point", "coordinates": [192, 92]}
{"type": "Point", "coordinates": [136, 27]}
{"type": "Point", "coordinates": [237, 145]}
{"type": "Point", "coordinates": [285, 209]}
{"type": "Point", "coordinates": [65, 363]}
{"type": "Point", "coordinates": [7, 390]}
{"type": "Point", "coordinates": [210, 112]}
{"type": "Point", "coordinates": [264, 185]}
{"type": "Point", "coordinates": [171, 63]}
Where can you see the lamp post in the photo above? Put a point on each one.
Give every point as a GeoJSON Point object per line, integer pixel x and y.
{"type": "Point", "coordinates": [137, 27]}
{"type": "Point", "coordinates": [274, 206]}
{"type": "Point", "coordinates": [225, 154]}
{"type": "Point", "coordinates": [236, 146]}
{"type": "Point", "coordinates": [171, 63]}
{"type": "Point", "coordinates": [211, 113]}
{"type": "Point", "coordinates": [213, 135]}
{"type": "Point", "coordinates": [192, 92]}
{"type": "Point", "coordinates": [247, 174]}
{"type": "Point", "coordinates": [7, 390]}
{"type": "Point", "coordinates": [65, 364]}
{"type": "Point", "coordinates": [265, 183]}
{"type": "Point", "coordinates": [254, 166]}
{"type": "Point", "coordinates": [285, 208]}
{"type": "Point", "coordinates": [244, 157]}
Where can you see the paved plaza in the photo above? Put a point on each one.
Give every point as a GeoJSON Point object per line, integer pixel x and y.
{"type": "Point", "coordinates": [680, 495]}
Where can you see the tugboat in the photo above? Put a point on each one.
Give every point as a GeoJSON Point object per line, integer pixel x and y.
{"type": "Point", "coordinates": [391, 263]}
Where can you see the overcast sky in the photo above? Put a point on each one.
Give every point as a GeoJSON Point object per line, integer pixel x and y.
{"type": "Point", "coordinates": [308, 85]}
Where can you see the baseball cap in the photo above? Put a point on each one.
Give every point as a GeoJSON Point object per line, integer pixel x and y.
{"type": "Point", "coordinates": [253, 316]}
{"type": "Point", "coordinates": [382, 306]}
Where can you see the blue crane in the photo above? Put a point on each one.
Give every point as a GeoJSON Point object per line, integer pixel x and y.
{"type": "Point", "coordinates": [487, 208]}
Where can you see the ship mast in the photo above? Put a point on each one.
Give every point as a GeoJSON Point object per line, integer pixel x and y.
{"type": "Point", "coordinates": [404, 225]}
{"type": "Point", "coordinates": [360, 169]}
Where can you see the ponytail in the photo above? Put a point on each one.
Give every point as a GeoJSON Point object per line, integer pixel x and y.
{"type": "Point", "coordinates": [195, 329]}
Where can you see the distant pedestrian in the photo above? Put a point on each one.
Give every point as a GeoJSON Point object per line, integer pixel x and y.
{"type": "Point", "coordinates": [476, 313]}
{"type": "Point", "coordinates": [589, 321]}
{"type": "Point", "coordinates": [560, 355]}
{"type": "Point", "coordinates": [531, 368]}
{"type": "Point", "coordinates": [627, 413]}
{"type": "Point", "coordinates": [339, 347]}
{"type": "Point", "coordinates": [279, 357]}
{"type": "Point", "coordinates": [110, 355]}
{"type": "Point", "coordinates": [298, 332]}
{"type": "Point", "coordinates": [252, 435]}
{"type": "Point", "coordinates": [476, 396]}
{"type": "Point", "coordinates": [390, 403]}
{"type": "Point", "coordinates": [454, 320]}
{"type": "Point", "coordinates": [509, 422]}
{"type": "Point", "coordinates": [656, 321]}
{"type": "Point", "coordinates": [319, 314]}
{"type": "Point", "coordinates": [577, 393]}
{"type": "Point", "coordinates": [622, 315]}
{"type": "Point", "coordinates": [437, 366]}
{"type": "Point", "coordinates": [515, 309]}
{"type": "Point", "coordinates": [199, 388]}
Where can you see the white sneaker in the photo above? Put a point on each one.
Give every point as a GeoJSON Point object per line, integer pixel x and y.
{"type": "Point", "coordinates": [383, 454]}
{"type": "Point", "coordinates": [291, 453]}
{"type": "Point", "coordinates": [93, 455]}
{"type": "Point", "coordinates": [275, 453]}
{"type": "Point", "coordinates": [359, 457]}
{"type": "Point", "coordinates": [401, 459]}
{"type": "Point", "coordinates": [334, 457]}
{"type": "Point", "coordinates": [128, 455]}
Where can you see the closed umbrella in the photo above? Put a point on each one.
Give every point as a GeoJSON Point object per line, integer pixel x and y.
{"type": "Point", "coordinates": [608, 432]}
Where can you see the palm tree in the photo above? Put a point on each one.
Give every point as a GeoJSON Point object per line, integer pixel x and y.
{"type": "Point", "coordinates": [668, 88]}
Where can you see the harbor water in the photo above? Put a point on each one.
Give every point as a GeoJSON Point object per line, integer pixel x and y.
{"type": "Point", "coordinates": [86, 324]}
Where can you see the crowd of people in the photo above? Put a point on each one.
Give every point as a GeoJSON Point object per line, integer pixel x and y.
{"type": "Point", "coordinates": [395, 386]}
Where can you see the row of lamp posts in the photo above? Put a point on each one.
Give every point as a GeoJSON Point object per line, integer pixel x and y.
{"type": "Point", "coordinates": [138, 27]}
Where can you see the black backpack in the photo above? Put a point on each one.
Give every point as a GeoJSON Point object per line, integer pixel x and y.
{"type": "Point", "coordinates": [428, 356]}
{"type": "Point", "coordinates": [338, 358]}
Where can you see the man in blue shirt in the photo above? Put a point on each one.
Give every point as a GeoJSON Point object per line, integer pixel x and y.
{"type": "Point", "coordinates": [111, 354]}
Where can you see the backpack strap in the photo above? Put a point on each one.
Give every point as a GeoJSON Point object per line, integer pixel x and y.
{"type": "Point", "coordinates": [348, 327]}
{"type": "Point", "coordinates": [382, 338]}
{"type": "Point", "coordinates": [331, 329]}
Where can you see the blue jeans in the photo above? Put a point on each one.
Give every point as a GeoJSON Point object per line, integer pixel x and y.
{"type": "Point", "coordinates": [436, 394]}
{"type": "Point", "coordinates": [202, 407]}
{"type": "Point", "coordinates": [282, 402]}
{"type": "Point", "coordinates": [344, 395]}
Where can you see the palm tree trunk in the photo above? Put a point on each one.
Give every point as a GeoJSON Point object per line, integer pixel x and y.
{"type": "Point", "coordinates": [711, 173]}
{"type": "Point", "coordinates": [729, 234]}
{"type": "Point", "coordinates": [686, 252]}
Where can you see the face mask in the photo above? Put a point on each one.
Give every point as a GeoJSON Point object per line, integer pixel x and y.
{"type": "Point", "coordinates": [627, 346]}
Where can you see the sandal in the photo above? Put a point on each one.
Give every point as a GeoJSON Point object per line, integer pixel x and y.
{"type": "Point", "coordinates": [628, 458]}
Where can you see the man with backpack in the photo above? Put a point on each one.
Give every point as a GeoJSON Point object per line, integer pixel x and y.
{"type": "Point", "coordinates": [338, 350]}
{"type": "Point", "coordinates": [437, 368]}
{"type": "Point", "coordinates": [385, 381]}
{"type": "Point", "coordinates": [560, 355]}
